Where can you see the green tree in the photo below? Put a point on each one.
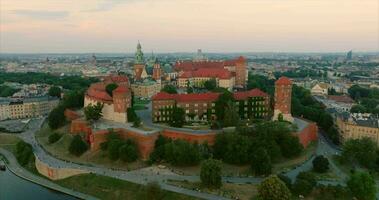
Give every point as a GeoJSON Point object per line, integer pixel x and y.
{"type": "Point", "coordinates": [320, 164]}
{"type": "Point", "coordinates": [272, 188]}
{"type": "Point", "coordinates": [261, 162]}
{"type": "Point", "coordinates": [169, 89]}
{"type": "Point", "coordinates": [110, 87]}
{"type": "Point", "coordinates": [221, 104]}
{"type": "Point", "coordinates": [93, 112]}
{"type": "Point", "coordinates": [361, 150]}
{"type": "Point", "coordinates": [358, 109]}
{"type": "Point", "coordinates": [362, 186]}
{"type": "Point", "coordinates": [137, 122]}
{"type": "Point", "coordinates": [77, 146]}
{"type": "Point", "coordinates": [114, 148]}
{"type": "Point", "coordinates": [56, 117]}
{"type": "Point", "coordinates": [210, 174]}
{"type": "Point", "coordinates": [24, 153]}
{"type": "Point", "coordinates": [210, 84]}
{"type": "Point", "coordinates": [55, 91]}
{"type": "Point", "coordinates": [304, 184]}
{"type": "Point", "coordinates": [54, 137]}
{"type": "Point", "coordinates": [232, 118]}
{"type": "Point", "coordinates": [128, 151]}
{"type": "Point", "coordinates": [177, 117]}
{"type": "Point", "coordinates": [131, 114]}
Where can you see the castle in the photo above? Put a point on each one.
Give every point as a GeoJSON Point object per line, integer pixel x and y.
{"type": "Point", "coordinates": [114, 106]}
{"type": "Point", "coordinates": [227, 74]}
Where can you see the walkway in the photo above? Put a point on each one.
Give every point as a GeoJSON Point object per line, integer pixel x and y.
{"type": "Point", "coordinates": [139, 177]}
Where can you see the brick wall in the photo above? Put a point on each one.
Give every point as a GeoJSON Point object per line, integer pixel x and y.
{"type": "Point", "coordinates": [199, 138]}
{"type": "Point", "coordinates": [71, 115]}
{"type": "Point", "coordinates": [308, 134]}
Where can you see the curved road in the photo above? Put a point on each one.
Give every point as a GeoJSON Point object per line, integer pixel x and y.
{"type": "Point", "coordinates": [140, 176]}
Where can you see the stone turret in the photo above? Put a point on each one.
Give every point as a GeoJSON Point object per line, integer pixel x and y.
{"type": "Point", "coordinates": [283, 93]}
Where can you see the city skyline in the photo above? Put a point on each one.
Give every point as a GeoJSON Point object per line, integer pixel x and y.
{"type": "Point", "coordinates": [184, 26]}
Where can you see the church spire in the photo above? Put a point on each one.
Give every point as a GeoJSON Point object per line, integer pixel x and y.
{"type": "Point", "coordinates": [139, 54]}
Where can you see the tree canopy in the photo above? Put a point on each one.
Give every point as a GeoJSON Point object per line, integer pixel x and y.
{"type": "Point", "coordinates": [362, 185]}
{"type": "Point", "coordinates": [169, 89]}
{"type": "Point", "coordinates": [272, 188]}
{"type": "Point", "coordinates": [110, 87]}
{"type": "Point", "coordinates": [77, 146]}
{"type": "Point", "coordinates": [210, 174]}
{"type": "Point", "coordinates": [93, 112]}
{"type": "Point", "coordinates": [55, 91]}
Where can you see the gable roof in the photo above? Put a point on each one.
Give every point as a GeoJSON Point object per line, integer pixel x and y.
{"type": "Point", "coordinates": [251, 93]}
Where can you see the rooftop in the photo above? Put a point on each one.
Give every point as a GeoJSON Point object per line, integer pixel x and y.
{"type": "Point", "coordinates": [283, 81]}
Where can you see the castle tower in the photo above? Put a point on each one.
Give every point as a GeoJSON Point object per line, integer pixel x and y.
{"type": "Point", "coordinates": [121, 103]}
{"type": "Point", "coordinates": [283, 93]}
{"type": "Point", "coordinates": [139, 63]}
{"type": "Point", "coordinates": [241, 74]}
{"type": "Point", "coordinates": [157, 71]}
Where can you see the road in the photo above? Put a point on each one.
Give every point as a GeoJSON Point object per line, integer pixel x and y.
{"type": "Point", "coordinates": [141, 177]}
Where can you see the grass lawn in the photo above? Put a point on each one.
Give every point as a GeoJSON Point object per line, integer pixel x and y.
{"type": "Point", "coordinates": [229, 190]}
{"type": "Point", "coordinates": [107, 188]}
{"type": "Point", "coordinates": [284, 165]}
{"type": "Point", "coordinates": [59, 149]}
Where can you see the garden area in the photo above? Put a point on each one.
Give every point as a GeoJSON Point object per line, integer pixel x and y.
{"type": "Point", "coordinates": [107, 188]}
{"type": "Point", "coordinates": [57, 143]}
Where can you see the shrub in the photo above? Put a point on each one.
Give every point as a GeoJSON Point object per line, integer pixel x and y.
{"type": "Point", "coordinates": [77, 146]}
{"type": "Point", "coordinates": [320, 164]}
{"type": "Point", "coordinates": [272, 188]}
{"type": "Point", "coordinates": [24, 153]}
{"type": "Point", "coordinates": [210, 173]}
{"type": "Point", "coordinates": [54, 137]}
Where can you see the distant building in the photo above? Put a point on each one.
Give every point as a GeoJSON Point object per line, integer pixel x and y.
{"type": "Point", "coordinates": [200, 56]}
{"type": "Point", "coordinates": [357, 125]}
{"type": "Point", "coordinates": [283, 93]}
{"type": "Point", "coordinates": [26, 107]}
{"type": "Point", "coordinates": [320, 89]}
{"type": "Point", "coordinates": [115, 105]}
{"type": "Point", "coordinates": [349, 55]}
{"type": "Point", "coordinates": [146, 89]}
{"type": "Point", "coordinates": [228, 73]}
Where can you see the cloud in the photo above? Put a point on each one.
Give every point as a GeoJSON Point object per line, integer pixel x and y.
{"type": "Point", "coordinates": [106, 5]}
{"type": "Point", "coordinates": [41, 14]}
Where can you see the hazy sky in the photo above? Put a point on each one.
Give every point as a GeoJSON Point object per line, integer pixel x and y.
{"type": "Point", "coordinates": [62, 26]}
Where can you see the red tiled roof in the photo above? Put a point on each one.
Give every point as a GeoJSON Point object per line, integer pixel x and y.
{"type": "Point", "coordinates": [283, 81]}
{"type": "Point", "coordinates": [121, 89]}
{"type": "Point", "coordinates": [207, 72]}
{"type": "Point", "coordinates": [186, 97]}
{"type": "Point", "coordinates": [251, 93]}
{"type": "Point", "coordinates": [163, 96]}
{"type": "Point", "coordinates": [197, 97]}
{"type": "Point", "coordinates": [343, 99]}
{"type": "Point", "coordinates": [97, 91]}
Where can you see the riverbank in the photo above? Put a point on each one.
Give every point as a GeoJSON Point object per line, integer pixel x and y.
{"type": "Point", "coordinates": [13, 166]}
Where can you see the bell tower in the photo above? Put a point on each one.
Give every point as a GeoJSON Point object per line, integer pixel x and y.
{"type": "Point", "coordinates": [139, 63]}
{"type": "Point", "coordinates": [157, 71]}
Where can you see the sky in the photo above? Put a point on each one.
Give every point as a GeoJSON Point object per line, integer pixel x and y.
{"type": "Point", "coordinates": [106, 26]}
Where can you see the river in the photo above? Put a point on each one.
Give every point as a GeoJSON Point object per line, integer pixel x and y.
{"type": "Point", "coordinates": [13, 187]}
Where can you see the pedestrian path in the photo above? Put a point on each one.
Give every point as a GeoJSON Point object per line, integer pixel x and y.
{"type": "Point", "coordinates": [15, 168]}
